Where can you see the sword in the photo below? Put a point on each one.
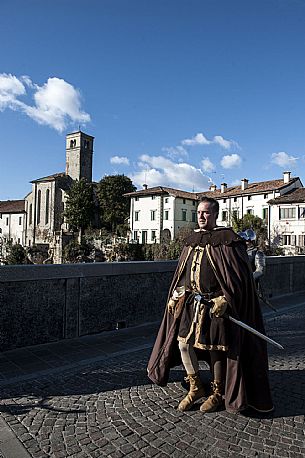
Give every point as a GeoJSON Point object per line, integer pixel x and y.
{"type": "Point", "coordinates": [254, 331]}
{"type": "Point", "coordinates": [242, 324]}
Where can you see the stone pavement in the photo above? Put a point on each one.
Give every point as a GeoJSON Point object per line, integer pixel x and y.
{"type": "Point", "coordinates": [90, 397]}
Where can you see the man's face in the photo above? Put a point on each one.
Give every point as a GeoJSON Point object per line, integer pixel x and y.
{"type": "Point", "coordinates": [206, 217]}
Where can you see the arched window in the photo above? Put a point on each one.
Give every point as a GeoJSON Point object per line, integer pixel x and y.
{"type": "Point", "coordinates": [47, 206]}
{"type": "Point", "coordinates": [38, 206]}
{"type": "Point", "coordinates": [31, 214]}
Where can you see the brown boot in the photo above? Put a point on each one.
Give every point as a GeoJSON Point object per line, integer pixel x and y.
{"type": "Point", "coordinates": [196, 392]}
{"type": "Point", "coordinates": [215, 400]}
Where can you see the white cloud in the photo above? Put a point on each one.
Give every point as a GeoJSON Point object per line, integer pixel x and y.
{"type": "Point", "coordinates": [230, 161]}
{"type": "Point", "coordinates": [161, 171]}
{"type": "Point", "coordinates": [10, 89]}
{"type": "Point", "coordinates": [175, 151]}
{"type": "Point", "coordinates": [283, 159]}
{"type": "Point", "coordinates": [226, 144]}
{"type": "Point", "coordinates": [119, 160]}
{"type": "Point", "coordinates": [198, 139]}
{"type": "Point", "coordinates": [57, 103]}
{"type": "Point", "coordinates": [207, 165]}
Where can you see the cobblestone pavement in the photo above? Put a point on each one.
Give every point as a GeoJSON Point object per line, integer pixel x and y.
{"type": "Point", "coordinates": [110, 408]}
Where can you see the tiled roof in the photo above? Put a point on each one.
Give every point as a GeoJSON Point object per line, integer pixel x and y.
{"type": "Point", "coordinates": [163, 190]}
{"type": "Point", "coordinates": [292, 197]}
{"type": "Point", "coordinates": [12, 206]}
{"type": "Point", "coordinates": [253, 188]}
{"type": "Point", "coordinates": [50, 177]}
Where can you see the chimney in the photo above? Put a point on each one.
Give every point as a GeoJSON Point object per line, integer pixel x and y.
{"type": "Point", "coordinates": [213, 187]}
{"type": "Point", "coordinates": [223, 187]}
{"type": "Point", "coordinates": [145, 186]}
{"type": "Point", "coordinates": [244, 184]}
{"type": "Point", "coordinates": [286, 177]}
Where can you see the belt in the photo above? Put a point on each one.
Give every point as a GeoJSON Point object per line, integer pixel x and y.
{"type": "Point", "coordinates": [211, 295]}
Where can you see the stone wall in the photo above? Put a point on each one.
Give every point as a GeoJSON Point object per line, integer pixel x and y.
{"type": "Point", "coordinates": [46, 303]}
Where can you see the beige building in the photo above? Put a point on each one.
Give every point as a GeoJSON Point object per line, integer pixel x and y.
{"type": "Point", "coordinates": [45, 204]}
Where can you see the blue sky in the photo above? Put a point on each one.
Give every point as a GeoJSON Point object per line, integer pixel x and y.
{"type": "Point", "coordinates": [176, 92]}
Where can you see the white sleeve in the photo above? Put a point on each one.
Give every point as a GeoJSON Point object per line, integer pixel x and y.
{"type": "Point", "coordinates": [260, 263]}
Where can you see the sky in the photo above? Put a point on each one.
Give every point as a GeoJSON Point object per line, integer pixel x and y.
{"type": "Point", "coordinates": [180, 93]}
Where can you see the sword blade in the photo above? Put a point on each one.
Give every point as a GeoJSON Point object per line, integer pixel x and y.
{"type": "Point", "coordinates": [255, 332]}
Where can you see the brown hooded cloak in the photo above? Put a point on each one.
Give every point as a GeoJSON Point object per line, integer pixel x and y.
{"type": "Point", "coordinates": [247, 383]}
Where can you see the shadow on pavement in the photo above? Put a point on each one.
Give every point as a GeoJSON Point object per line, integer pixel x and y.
{"type": "Point", "coordinates": [288, 389]}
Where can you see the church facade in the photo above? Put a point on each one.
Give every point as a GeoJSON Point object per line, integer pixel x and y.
{"type": "Point", "coordinates": [45, 204]}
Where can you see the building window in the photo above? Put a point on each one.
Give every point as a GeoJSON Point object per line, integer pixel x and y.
{"type": "Point", "coordinates": [153, 235]}
{"type": "Point", "coordinates": [18, 241]}
{"type": "Point", "coordinates": [7, 221]}
{"type": "Point", "coordinates": [144, 237]}
{"type": "Point", "coordinates": [183, 215]}
{"type": "Point", "coordinates": [265, 215]}
{"type": "Point", "coordinates": [249, 197]}
{"type": "Point", "coordinates": [166, 200]}
{"type": "Point", "coordinates": [153, 197]}
{"type": "Point", "coordinates": [193, 217]}
{"type": "Point", "coordinates": [235, 214]}
{"type": "Point", "coordinates": [265, 196]}
{"type": "Point", "coordinates": [166, 214]}
{"type": "Point", "coordinates": [235, 199]}
{"type": "Point", "coordinates": [194, 203]}
{"type": "Point", "coordinates": [38, 206]}
{"type": "Point", "coordinates": [30, 241]}
{"type": "Point", "coordinates": [301, 241]}
{"type": "Point", "coordinates": [136, 216]}
{"type": "Point", "coordinates": [20, 220]}
{"type": "Point", "coordinates": [135, 235]}
{"type": "Point", "coordinates": [302, 212]}
{"type": "Point", "coordinates": [153, 215]}
{"type": "Point", "coordinates": [286, 239]}
{"type": "Point", "coordinates": [184, 201]}
{"type": "Point", "coordinates": [0, 230]}
{"type": "Point", "coordinates": [287, 213]}
{"type": "Point", "coordinates": [249, 211]}
{"type": "Point", "coordinates": [224, 215]}
{"type": "Point", "coordinates": [47, 206]}
{"type": "Point", "coordinates": [30, 215]}
{"type": "Point", "coordinates": [136, 198]}
{"type": "Point", "coordinates": [224, 200]}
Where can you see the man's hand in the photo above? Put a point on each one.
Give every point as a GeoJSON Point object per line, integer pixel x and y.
{"type": "Point", "coordinates": [220, 306]}
{"type": "Point", "coordinates": [173, 301]}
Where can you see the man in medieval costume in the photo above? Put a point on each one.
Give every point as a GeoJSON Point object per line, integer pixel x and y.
{"type": "Point", "coordinates": [214, 278]}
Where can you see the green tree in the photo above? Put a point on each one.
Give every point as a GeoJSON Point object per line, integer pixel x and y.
{"type": "Point", "coordinates": [114, 207]}
{"type": "Point", "coordinates": [80, 206]}
{"type": "Point", "coordinates": [16, 254]}
{"type": "Point", "coordinates": [249, 221]}
{"type": "Point", "coordinates": [75, 252]}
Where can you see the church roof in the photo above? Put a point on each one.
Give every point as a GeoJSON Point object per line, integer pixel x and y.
{"type": "Point", "coordinates": [50, 177]}
{"type": "Point", "coordinates": [12, 206]}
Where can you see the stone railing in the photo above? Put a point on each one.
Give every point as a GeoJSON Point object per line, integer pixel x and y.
{"type": "Point", "coordinates": [46, 303]}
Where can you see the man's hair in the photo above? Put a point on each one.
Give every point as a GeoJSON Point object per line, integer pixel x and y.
{"type": "Point", "coordinates": [213, 203]}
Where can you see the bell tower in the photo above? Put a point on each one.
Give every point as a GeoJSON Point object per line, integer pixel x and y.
{"type": "Point", "coordinates": [79, 151]}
